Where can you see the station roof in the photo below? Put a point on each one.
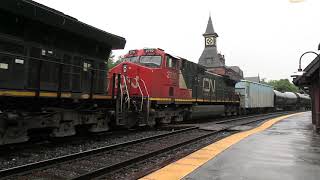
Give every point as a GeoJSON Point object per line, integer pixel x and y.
{"type": "Point", "coordinates": [253, 82]}
{"type": "Point", "coordinates": [52, 17]}
{"type": "Point", "coordinates": [311, 70]}
{"type": "Point", "coordinates": [253, 79]}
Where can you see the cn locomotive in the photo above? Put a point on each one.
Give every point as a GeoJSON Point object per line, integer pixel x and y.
{"type": "Point", "coordinates": [155, 86]}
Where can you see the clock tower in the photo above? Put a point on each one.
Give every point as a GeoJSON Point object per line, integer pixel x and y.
{"type": "Point", "coordinates": [210, 37]}
{"type": "Point", "coordinates": [209, 57]}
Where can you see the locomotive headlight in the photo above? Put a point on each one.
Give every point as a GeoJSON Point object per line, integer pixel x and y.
{"type": "Point", "coordinates": [124, 68]}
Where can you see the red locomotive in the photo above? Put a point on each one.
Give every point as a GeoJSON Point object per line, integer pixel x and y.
{"type": "Point", "coordinates": [154, 86]}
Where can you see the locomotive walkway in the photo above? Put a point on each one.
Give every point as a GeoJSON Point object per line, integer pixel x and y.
{"type": "Point", "coordinates": [287, 150]}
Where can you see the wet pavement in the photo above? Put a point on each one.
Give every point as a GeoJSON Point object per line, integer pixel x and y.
{"type": "Point", "coordinates": [288, 150]}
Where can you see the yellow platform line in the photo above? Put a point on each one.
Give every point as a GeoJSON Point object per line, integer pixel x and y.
{"type": "Point", "coordinates": [186, 165]}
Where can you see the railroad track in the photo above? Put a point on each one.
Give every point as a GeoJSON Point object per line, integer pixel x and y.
{"type": "Point", "coordinates": [252, 117]}
{"type": "Point", "coordinates": [101, 161]}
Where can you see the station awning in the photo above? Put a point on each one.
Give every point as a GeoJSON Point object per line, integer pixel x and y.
{"type": "Point", "coordinates": [52, 17]}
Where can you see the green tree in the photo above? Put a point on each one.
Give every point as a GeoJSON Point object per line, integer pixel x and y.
{"type": "Point", "coordinates": [112, 61]}
{"type": "Point", "coordinates": [263, 81]}
{"type": "Point", "coordinates": [283, 85]}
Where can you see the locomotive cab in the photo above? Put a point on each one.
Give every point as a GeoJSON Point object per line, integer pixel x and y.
{"type": "Point", "coordinates": [144, 78]}
{"type": "Point", "coordinates": [144, 67]}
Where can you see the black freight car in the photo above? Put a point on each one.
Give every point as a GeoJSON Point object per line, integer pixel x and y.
{"type": "Point", "coordinates": [214, 94]}
{"type": "Point", "coordinates": [53, 72]}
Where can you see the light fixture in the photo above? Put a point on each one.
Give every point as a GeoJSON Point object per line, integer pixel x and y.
{"type": "Point", "coordinates": [125, 67]}
{"type": "Point", "coordinates": [308, 52]}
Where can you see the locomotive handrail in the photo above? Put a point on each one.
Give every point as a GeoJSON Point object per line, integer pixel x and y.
{"type": "Point", "coordinates": [121, 97]}
{"type": "Point", "coordinates": [148, 98]}
{"type": "Point", "coordinates": [127, 91]}
{"type": "Point", "coordinates": [145, 87]}
{"type": "Point", "coordinates": [138, 84]}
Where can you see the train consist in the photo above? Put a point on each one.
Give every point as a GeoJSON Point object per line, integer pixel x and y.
{"type": "Point", "coordinates": [54, 79]}
{"type": "Point", "coordinates": [160, 87]}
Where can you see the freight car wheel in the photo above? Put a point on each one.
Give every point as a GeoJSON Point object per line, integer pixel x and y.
{"type": "Point", "coordinates": [132, 120]}
{"type": "Point", "coordinates": [15, 135]}
{"type": "Point", "coordinates": [152, 121]}
{"type": "Point", "coordinates": [66, 128]}
{"type": "Point", "coordinates": [13, 129]}
{"type": "Point", "coordinates": [101, 125]}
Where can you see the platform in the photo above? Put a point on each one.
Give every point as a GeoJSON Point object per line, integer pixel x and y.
{"type": "Point", "coordinates": [282, 148]}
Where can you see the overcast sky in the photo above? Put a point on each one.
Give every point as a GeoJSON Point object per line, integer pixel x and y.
{"type": "Point", "coordinates": [260, 36]}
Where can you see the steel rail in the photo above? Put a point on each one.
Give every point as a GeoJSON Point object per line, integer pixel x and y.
{"type": "Point", "coordinates": [250, 116]}
{"type": "Point", "coordinates": [29, 168]}
{"type": "Point", "coordinates": [50, 162]}
{"type": "Point", "coordinates": [107, 169]}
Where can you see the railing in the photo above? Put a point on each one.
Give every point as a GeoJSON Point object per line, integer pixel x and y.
{"type": "Point", "coordinates": [121, 97]}
{"type": "Point", "coordinates": [142, 96]}
{"type": "Point", "coordinates": [127, 100]}
{"type": "Point", "coordinates": [148, 98]}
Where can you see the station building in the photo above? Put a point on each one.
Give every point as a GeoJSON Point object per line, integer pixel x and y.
{"type": "Point", "coordinates": [310, 82]}
{"type": "Point", "coordinates": [214, 61]}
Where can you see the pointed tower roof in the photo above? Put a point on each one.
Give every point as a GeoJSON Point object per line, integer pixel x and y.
{"type": "Point", "coordinates": [209, 57]}
{"type": "Point", "coordinates": [210, 30]}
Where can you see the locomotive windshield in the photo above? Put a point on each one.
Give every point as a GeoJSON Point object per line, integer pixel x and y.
{"type": "Point", "coordinates": [149, 61]}
{"type": "Point", "coordinates": [133, 59]}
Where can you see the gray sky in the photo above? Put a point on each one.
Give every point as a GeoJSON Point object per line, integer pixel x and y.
{"type": "Point", "coordinates": [260, 36]}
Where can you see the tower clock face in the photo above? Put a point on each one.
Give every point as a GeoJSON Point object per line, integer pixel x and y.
{"type": "Point", "coordinates": [210, 41]}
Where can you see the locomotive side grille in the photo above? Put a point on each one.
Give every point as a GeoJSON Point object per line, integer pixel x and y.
{"type": "Point", "coordinates": [86, 75]}
{"type": "Point", "coordinates": [33, 67]}
{"type": "Point", "coordinates": [49, 74]}
{"type": "Point", "coordinates": [5, 63]}
{"type": "Point", "coordinates": [66, 74]}
{"type": "Point", "coordinates": [11, 67]}
{"type": "Point", "coordinates": [100, 78]}
{"type": "Point", "coordinates": [76, 76]}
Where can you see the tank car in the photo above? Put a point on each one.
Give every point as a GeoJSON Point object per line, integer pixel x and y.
{"type": "Point", "coordinates": [157, 87]}
{"type": "Point", "coordinates": [279, 100]}
{"type": "Point", "coordinates": [291, 101]}
{"type": "Point", "coordinates": [52, 72]}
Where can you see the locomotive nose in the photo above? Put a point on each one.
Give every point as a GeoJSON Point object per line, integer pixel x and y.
{"type": "Point", "coordinates": [129, 70]}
